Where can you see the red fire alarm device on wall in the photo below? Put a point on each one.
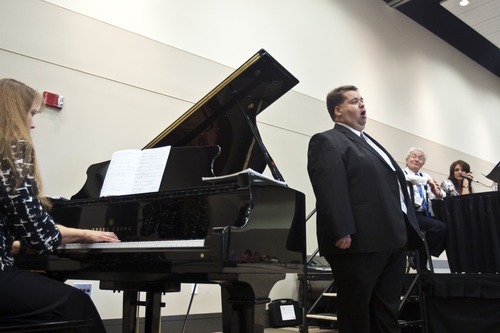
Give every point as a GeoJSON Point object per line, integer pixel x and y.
{"type": "Point", "coordinates": [53, 100]}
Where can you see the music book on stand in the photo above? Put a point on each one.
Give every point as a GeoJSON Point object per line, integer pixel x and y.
{"type": "Point", "coordinates": [134, 171]}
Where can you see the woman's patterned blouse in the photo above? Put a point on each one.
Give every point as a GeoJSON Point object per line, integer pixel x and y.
{"type": "Point", "coordinates": [22, 217]}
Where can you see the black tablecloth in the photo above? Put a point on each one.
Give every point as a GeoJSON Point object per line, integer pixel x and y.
{"type": "Point", "coordinates": [461, 303]}
{"type": "Point", "coordinates": [473, 238]}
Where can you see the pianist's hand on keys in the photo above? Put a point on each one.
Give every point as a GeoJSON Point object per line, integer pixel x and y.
{"type": "Point", "coordinates": [74, 235]}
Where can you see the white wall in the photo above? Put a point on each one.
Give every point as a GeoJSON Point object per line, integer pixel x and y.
{"type": "Point", "coordinates": [128, 69]}
{"type": "Point", "coordinates": [410, 79]}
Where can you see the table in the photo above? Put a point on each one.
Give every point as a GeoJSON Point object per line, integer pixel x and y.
{"type": "Point", "coordinates": [473, 237]}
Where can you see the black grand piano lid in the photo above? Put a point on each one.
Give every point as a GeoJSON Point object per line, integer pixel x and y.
{"type": "Point", "coordinates": [226, 116]}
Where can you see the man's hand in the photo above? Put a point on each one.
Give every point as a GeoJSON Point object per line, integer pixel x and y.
{"type": "Point", "coordinates": [435, 188]}
{"type": "Point", "coordinates": [344, 243]}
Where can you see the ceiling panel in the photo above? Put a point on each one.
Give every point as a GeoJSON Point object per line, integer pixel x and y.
{"type": "Point", "coordinates": [481, 15]}
{"type": "Point", "coordinates": [474, 30]}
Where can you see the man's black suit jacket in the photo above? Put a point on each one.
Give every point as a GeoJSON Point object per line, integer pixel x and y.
{"type": "Point", "coordinates": [357, 193]}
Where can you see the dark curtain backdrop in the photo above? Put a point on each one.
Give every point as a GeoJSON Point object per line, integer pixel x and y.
{"type": "Point", "coordinates": [473, 238]}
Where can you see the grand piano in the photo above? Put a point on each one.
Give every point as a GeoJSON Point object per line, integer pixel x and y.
{"type": "Point", "coordinates": [243, 232]}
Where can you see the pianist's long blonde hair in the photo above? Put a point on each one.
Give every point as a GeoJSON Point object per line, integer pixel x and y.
{"type": "Point", "coordinates": [16, 100]}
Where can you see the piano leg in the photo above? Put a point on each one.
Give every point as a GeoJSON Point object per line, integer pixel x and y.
{"type": "Point", "coordinates": [244, 302]}
{"type": "Point", "coordinates": [130, 312]}
{"type": "Point", "coordinates": [131, 303]}
{"type": "Point", "coordinates": [153, 312]}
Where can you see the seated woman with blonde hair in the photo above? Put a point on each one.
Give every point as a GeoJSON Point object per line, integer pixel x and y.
{"type": "Point", "coordinates": [25, 223]}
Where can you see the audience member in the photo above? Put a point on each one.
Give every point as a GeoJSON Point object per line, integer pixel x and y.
{"type": "Point", "coordinates": [459, 179]}
{"type": "Point", "coordinates": [424, 189]}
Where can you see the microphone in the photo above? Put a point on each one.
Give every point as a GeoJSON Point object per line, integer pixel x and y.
{"type": "Point", "coordinates": [469, 178]}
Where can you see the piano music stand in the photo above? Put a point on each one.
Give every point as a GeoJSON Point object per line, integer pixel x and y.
{"type": "Point", "coordinates": [494, 175]}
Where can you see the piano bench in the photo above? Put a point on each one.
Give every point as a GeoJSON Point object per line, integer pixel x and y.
{"type": "Point", "coordinates": [76, 326]}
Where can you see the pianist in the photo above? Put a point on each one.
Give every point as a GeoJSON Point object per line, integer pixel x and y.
{"type": "Point", "coordinates": [25, 223]}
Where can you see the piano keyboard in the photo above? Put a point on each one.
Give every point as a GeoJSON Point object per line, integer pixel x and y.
{"type": "Point", "coordinates": [135, 245]}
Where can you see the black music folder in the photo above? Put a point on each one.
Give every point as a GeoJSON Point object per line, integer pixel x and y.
{"type": "Point", "coordinates": [494, 174]}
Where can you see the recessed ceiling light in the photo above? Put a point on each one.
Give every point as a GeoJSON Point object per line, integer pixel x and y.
{"type": "Point", "coordinates": [464, 3]}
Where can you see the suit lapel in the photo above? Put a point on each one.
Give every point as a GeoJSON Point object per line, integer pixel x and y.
{"type": "Point", "coordinates": [399, 173]}
{"type": "Point", "coordinates": [351, 135]}
{"type": "Point", "coordinates": [393, 162]}
{"type": "Point", "coordinates": [356, 138]}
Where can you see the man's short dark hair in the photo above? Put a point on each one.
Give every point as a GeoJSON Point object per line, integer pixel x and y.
{"type": "Point", "coordinates": [337, 97]}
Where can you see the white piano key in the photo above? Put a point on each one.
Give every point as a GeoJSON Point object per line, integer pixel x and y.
{"type": "Point", "coordinates": [135, 245]}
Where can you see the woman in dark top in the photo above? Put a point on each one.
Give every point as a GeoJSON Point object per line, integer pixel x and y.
{"type": "Point", "coordinates": [26, 224]}
{"type": "Point", "coordinates": [458, 182]}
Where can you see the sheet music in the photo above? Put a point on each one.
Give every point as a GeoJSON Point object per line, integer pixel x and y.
{"type": "Point", "coordinates": [135, 171]}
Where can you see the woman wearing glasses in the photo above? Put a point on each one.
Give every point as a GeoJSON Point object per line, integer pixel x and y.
{"type": "Point", "coordinates": [459, 179]}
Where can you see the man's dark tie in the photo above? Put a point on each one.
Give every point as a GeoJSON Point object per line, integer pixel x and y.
{"type": "Point", "coordinates": [424, 198]}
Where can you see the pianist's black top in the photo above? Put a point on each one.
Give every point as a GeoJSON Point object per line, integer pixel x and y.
{"type": "Point", "coordinates": [22, 216]}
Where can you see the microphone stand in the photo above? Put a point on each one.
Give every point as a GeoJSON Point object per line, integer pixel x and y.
{"type": "Point", "coordinates": [478, 182]}
{"type": "Point", "coordinates": [472, 180]}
